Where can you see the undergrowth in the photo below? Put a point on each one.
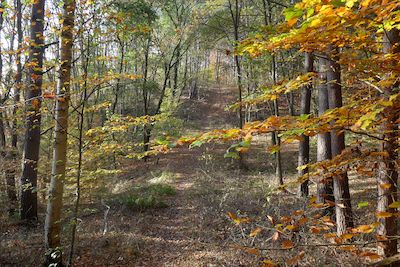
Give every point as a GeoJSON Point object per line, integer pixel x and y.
{"type": "Point", "coordinates": [147, 197]}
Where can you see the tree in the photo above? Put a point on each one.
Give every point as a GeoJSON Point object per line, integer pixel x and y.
{"type": "Point", "coordinates": [341, 190]}
{"type": "Point", "coordinates": [388, 169]}
{"type": "Point", "coordinates": [235, 10]}
{"type": "Point", "coordinates": [324, 187]}
{"type": "Point", "coordinates": [304, 144]}
{"type": "Point", "coordinates": [54, 207]}
{"type": "Point", "coordinates": [33, 116]}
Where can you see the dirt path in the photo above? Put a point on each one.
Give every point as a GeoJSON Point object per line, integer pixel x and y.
{"type": "Point", "coordinates": [188, 233]}
{"type": "Point", "coordinates": [191, 231]}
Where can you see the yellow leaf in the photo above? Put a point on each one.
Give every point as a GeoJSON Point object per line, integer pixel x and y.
{"type": "Point", "coordinates": [238, 220]}
{"type": "Point", "coordinates": [330, 235]}
{"type": "Point", "coordinates": [395, 205]}
{"type": "Point", "coordinates": [346, 236]}
{"type": "Point", "coordinates": [350, 3]}
{"type": "Point", "coordinates": [268, 263]}
{"type": "Point", "coordinates": [255, 232]}
{"type": "Point", "coordinates": [364, 229]}
{"type": "Point", "coordinates": [291, 227]}
{"type": "Point", "coordinates": [315, 22]}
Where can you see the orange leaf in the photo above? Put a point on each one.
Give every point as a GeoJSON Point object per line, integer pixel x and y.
{"type": "Point", "coordinates": [253, 251]}
{"type": "Point", "coordinates": [296, 259]}
{"type": "Point", "coordinates": [315, 230]}
{"type": "Point", "coordinates": [348, 248]}
{"type": "Point", "coordinates": [370, 255]}
{"type": "Point", "coordinates": [48, 95]}
{"type": "Point", "coordinates": [292, 22]}
{"type": "Point", "coordinates": [36, 103]}
{"type": "Point", "coordinates": [385, 186]}
{"type": "Point", "coordinates": [287, 244]}
{"type": "Point", "coordinates": [303, 221]}
{"type": "Point", "coordinates": [268, 263]}
{"type": "Point", "coordinates": [384, 214]}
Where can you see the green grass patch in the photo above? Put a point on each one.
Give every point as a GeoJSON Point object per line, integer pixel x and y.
{"type": "Point", "coordinates": [147, 197]}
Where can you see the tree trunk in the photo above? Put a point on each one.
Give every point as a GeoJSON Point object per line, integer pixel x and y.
{"type": "Point", "coordinates": [18, 76]}
{"type": "Point", "coordinates": [235, 14]}
{"type": "Point", "coordinates": [54, 207]}
{"type": "Point", "coordinates": [33, 119]}
{"type": "Point", "coordinates": [304, 145]}
{"type": "Point", "coordinates": [146, 132]}
{"type": "Point", "coordinates": [388, 172]}
{"type": "Point", "coordinates": [341, 190]}
{"type": "Point", "coordinates": [324, 187]}
{"type": "Point", "coordinates": [176, 71]}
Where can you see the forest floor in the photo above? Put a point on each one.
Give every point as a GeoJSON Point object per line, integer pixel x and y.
{"type": "Point", "coordinates": [191, 227]}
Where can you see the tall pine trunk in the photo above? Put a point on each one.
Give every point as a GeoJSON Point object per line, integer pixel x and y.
{"type": "Point", "coordinates": [33, 117]}
{"type": "Point", "coordinates": [54, 207]}
{"type": "Point", "coordinates": [388, 172]}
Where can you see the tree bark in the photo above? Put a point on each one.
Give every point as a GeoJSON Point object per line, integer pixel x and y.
{"type": "Point", "coordinates": [324, 187]}
{"type": "Point", "coordinates": [341, 190]}
{"type": "Point", "coordinates": [304, 145]}
{"type": "Point", "coordinates": [54, 207]}
{"type": "Point", "coordinates": [388, 172]}
{"type": "Point", "coordinates": [33, 119]}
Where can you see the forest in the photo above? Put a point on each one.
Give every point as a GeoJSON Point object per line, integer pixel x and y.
{"type": "Point", "coordinates": [199, 133]}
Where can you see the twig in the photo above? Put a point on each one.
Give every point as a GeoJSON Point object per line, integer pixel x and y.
{"type": "Point", "coordinates": [105, 229]}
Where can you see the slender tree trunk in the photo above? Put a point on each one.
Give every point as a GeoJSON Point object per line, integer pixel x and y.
{"type": "Point", "coordinates": [275, 136]}
{"type": "Point", "coordinates": [18, 76]}
{"type": "Point", "coordinates": [388, 169]}
{"type": "Point", "coordinates": [176, 71]}
{"type": "Point", "coordinates": [324, 187]}
{"type": "Point", "coordinates": [146, 131]}
{"type": "Point", "coordinates": [54, 207]}
{"type": "Point", "coordinates": [341, 190]}
{"type": "Point", "coordinates": [304, 145]}
{"type": "Point", "coordinates": [118, 85]}
{"type": "Point", "coordinates": [80, 154]}
{"type": "Point", "coordinates": [235, 14]}
{"type": "Point", "coordinates": [33, 119]}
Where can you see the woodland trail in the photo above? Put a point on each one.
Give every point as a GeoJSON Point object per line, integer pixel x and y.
{"type": "Point", "coordinates": [191, 231]}
{"type": "Point", "coordinates": [183, 234]}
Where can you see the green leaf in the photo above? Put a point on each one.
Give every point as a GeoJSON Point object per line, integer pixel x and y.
{"type": "Point", "coordinates": [310, 12]}
{"type": "Point", "coordinates": [338, 3]}
{"type": "Point", "coordinates": [196, 144]}
{"type": "Point", "coordinates": [233, 155]}
{"type": "Point", "coordinates": [304, 117]}
{"type": "Point", "coordinates": [363, 204]}
{"type": "Point", "coordinates": [292, 12]}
